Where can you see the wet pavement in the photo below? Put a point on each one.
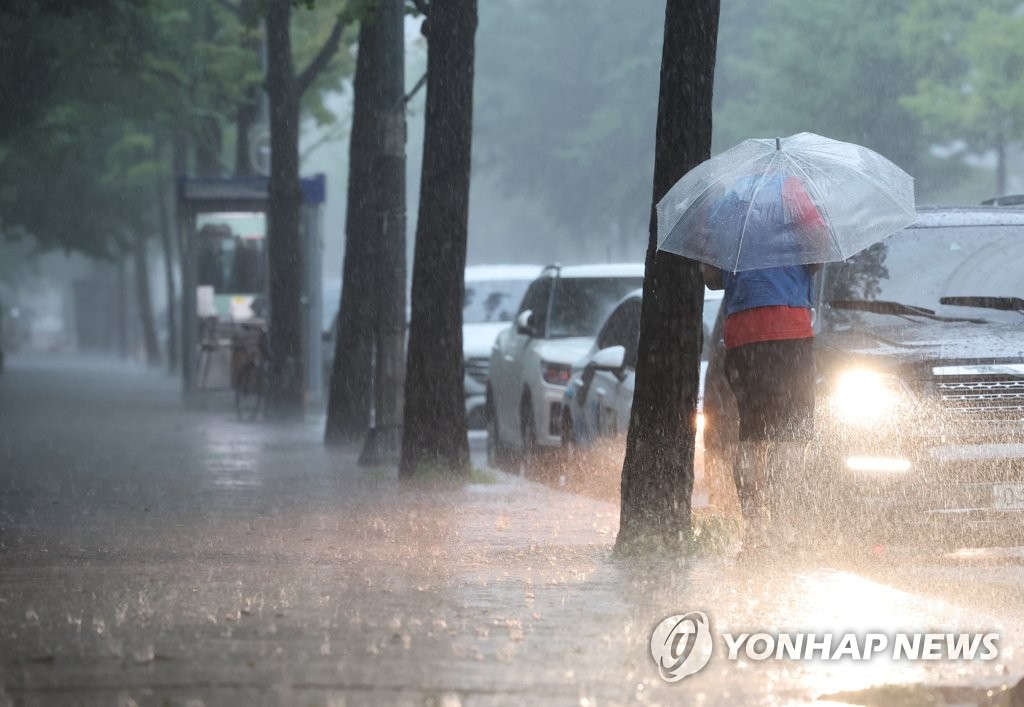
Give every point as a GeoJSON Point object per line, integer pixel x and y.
{"type": "Point", "coordinates": [153, 555]}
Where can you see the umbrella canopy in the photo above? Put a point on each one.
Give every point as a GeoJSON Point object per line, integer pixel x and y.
{"type": "Point", "coordinates": [786, 201]}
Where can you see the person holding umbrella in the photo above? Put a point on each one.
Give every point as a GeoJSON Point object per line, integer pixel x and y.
{"type": "Point", "coordinates": [762, 217]}
{"type": "Point", "coordinates": [769, 355]}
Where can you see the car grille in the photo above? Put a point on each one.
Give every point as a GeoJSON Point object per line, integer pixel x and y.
{"type": "Point", "coordinates": [982, 396]}
{"type": "Point", "coordinates": [477, 369]}
{"type": "Point", "coordinates": [976, 408]}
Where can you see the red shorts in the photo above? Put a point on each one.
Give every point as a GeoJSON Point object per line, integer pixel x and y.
{"type": "Point", "coordinates": [767, 324]}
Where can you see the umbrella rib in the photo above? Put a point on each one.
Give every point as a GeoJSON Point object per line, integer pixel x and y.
{"type": "Point", "coordinates": [869, 178]}
{"type": "Point", "coordinates": [682, 212]}
{"type": "Point", "coordinates": [746, 216]}
{"type": "Point", "coordinates": [819, 202]}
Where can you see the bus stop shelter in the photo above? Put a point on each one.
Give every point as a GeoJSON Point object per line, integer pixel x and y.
{"type": "Point", "coordinates": [224, 266]}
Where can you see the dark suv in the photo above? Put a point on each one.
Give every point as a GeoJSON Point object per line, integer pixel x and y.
{"type": "Point", "coordinates": [919, 346]}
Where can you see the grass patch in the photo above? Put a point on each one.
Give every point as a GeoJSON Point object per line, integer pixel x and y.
{"type": "Point", "coordinates": [714, 532]}
{"type": "Point", "coordinates": [378, 473]}
{"type": "Point", "coordinates": [916, 696]}
{"type": "Point", "coordinates": [439, 475]}
{"type": "Point", "coordinates": [482, 476]}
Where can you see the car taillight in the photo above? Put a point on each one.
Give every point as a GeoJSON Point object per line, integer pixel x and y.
{"type": "Point", "coordinates": [555, 373]}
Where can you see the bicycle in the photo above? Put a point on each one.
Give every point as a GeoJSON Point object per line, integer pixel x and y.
{"type": "Point", "coordinates": [249, 370]}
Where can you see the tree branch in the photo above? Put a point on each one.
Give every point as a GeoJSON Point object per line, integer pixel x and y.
{"type": "Point", "coordinates": [415, 89]}
{"type": "Point", "coordinates": [324, 56]}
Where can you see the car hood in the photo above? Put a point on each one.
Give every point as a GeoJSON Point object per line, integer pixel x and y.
{"type": "Point", "coordinates": [922, 341]}
{"type": "Point", "coordinates": [567, 351]}
{"type": "Point", "coordinates": [477, 339]}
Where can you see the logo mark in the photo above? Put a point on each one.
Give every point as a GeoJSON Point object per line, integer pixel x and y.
{"type": "Point", "coordinates": [681, 645]}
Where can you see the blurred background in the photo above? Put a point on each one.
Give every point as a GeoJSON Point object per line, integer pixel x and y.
{"type": "Point", "coordinates": [565, 103]}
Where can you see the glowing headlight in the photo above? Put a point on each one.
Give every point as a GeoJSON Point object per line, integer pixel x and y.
{"type": "Point", "coordinates": [865, 398]}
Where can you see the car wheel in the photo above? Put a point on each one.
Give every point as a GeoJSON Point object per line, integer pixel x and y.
{"type": "Point", "coordinates": [499, 456]}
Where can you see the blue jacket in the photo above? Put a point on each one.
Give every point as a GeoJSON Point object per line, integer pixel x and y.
{"type": "Point", "coordinates": [788, 286]}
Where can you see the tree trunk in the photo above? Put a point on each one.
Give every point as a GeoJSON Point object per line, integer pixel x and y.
{"type": "Point", "coordinates": [435, 414]}
{"type": "Point", "coordinates": [208, 149]}
{"type": "Point", "coordinates": [246, 116]}
{"type": "Point", "coordinates": [286, 385]}
{"type": "Point", "coordinates": [121, 308]}
{"type": "Point", "coordinates": [383, 445]}
{"type": "Point", "coordinates": [657, 474]}
{"type": "Point", "coordinates": [166, 243]}
{"type": "Point", "coordinates": [144, 301]}
{"type": "Point", "coordinates": [348, 405]}
{"type": "Point", "coordinates": [248, 112]}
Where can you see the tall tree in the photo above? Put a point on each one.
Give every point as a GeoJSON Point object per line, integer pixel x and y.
{"type": "Point", "coordinates": [657, 474]}
{"type": "Point", "coordinates": [384, 441]}
{"type": "Point", "coordinates": [165, 228]}
{"type": "Point", "coordinates": [143, 299]}
{"type": "Point", "coordinates": [435, 417]}
{"type": "Point", "coordinates": [285, 89]}
{"type": "Point", "coordinates": [351, 386]}
{"type": "Point", "coordinates": [967, 59]}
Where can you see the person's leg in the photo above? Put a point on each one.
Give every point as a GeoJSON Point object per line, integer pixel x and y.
{"type": "Point", "coordinates": [754, 488]}
{"type": "Point", "coordinates": [751, 458]}
{"type": "Point", "coordinates": [790, 427]}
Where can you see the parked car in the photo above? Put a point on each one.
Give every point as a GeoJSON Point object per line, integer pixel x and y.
{"type": "Point", "coordinates": [598, 401]}
{"type": "Point", "coordinates": [493, 294]}
{"type": "Point", "coordinates": [919, 348]}
{"type": "Point", "coordinates": [531, 361]}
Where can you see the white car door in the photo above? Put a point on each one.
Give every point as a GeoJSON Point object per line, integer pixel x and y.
{"type": "Point", "coordinates": [603, 394]}
{"type": "Point", "coordinates": [511, 356]}
{"type": "Point", "coordinates": [623, 401]}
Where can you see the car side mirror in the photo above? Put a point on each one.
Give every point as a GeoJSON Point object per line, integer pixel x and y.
{"type": "Point", "coordinates": [611, 359]}
{"type": "Point", "coordinates": [524, 323]}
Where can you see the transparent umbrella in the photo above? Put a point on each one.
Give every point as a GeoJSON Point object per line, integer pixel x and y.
{"type": "Point", "coordinates": [785, 201]}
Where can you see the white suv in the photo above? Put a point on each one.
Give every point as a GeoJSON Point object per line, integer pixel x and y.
{"type": "Point", "coordinates": [531, 361]}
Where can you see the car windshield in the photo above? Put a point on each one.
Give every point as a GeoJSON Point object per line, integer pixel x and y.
{"type": "Point", "coordinates": [580, 304]}
{"type": "Point", "coordinates": [918, 267]}
{"type": "Point", "coordinates": [492, 300]}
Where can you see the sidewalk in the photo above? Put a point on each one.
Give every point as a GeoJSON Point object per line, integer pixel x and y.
{"type": "Point", "coordinates": [154, 556]}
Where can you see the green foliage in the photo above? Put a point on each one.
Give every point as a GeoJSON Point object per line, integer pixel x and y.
{"type": "Point", "coordinates": [566, 115]}
{"type": "Point", "coordinates": [832, 67]}
{"type": "Point", "coordinates": [49, 47]}
{"type": "Point", "coordinates": [310, 29]}
{"type": "Point", "coordinates": [88, 87]}
{"type": "Point", "coordinates": [566, 99]}
{"type": "Point", "coordinates": [969, 59]}
{"type": "Point", "coordinates": [67, 184]}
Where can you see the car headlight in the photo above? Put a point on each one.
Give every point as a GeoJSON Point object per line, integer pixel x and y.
{"type": "Point", "coordinates": [866, 398]}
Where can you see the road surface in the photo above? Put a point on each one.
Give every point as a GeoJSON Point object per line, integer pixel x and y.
{"type": "Point", "coordinates": [153, 555]}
